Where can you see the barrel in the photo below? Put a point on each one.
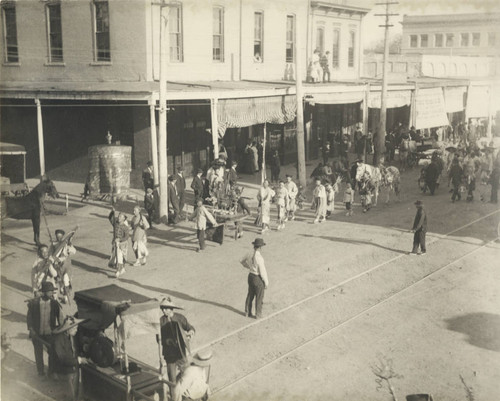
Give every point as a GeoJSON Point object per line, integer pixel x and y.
{"type": "Point", "coordinates": [109, 169]}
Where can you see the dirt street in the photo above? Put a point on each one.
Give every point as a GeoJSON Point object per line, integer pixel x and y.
{"type": "Point", "coordinates": [344, 297]}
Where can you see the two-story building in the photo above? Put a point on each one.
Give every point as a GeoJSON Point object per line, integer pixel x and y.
{"type": "Point", "coordinates": [72, 71]}
{"type": "Point", "coordinates": [476, 34]}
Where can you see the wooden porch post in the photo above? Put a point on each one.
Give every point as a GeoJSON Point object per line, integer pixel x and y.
{"type": "Point", "coordinates": [39, 123]}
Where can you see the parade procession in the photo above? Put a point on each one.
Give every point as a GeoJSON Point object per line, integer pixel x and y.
{"type": "Point", "coordinates": [249, 200]}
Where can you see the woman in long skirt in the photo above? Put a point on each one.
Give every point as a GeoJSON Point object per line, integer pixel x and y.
{"type": "Point", "coordinates": [265, 196]}
{"type": "Point", "coordinates": [139, 240]}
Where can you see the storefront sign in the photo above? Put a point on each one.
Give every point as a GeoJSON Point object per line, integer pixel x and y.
{"type": "Point", "coordinates": [478, 99]}
{"type": "Point", "coordinates": [430, 108]}
{"type": "Point", "coordinates": [394, 99]}
{"type": "Point", "coordinates": [336, 98]}
{"type": "Point", "coordinates": [454, 98]}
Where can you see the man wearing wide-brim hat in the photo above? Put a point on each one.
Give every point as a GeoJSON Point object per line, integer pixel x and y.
{"type": "Point", "coordinates": [66, 354]}
{"type": "Point", "coordinates": [419, 229]}
{"type": "Point", "coordinates": [257, 280]}
{"type": "Point", "coordinates": [176, 333]}
{"type": "Point", "coordinates": [193, 381]}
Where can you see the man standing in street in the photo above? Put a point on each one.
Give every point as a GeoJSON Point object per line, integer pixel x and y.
{"type": "Point", "coordinates": [180, 184]}
{"type": "Point", "coordinates": [148, 177]}
{"type": "Point", "coordinates": [455, 176]}
{"type": "Point", "coordinates": [257, 280]}
{"type": "Point", "coordinates": [419, 229]}
{"type": "Point", "coordinates": [197, 187]}
{"type": "Point", "coordinates": [292, 189]}
{"type": "Point", "coordinates": [44, 315]}
{"type": "Point", "coordinates": [121, 234]}
{"type": "Point", "coordinates": [176, 333]}
{"type": "Point", "coordinates": [200, 217]}
{"type": "Point", "coordinates": [173, 200]}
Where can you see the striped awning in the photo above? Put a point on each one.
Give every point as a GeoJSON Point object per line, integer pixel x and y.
{"type": "Point", "coordinates": [236, 113]}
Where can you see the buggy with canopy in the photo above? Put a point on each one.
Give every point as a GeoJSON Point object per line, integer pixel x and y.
{"type": "Point", "coordinates": [110, 373]}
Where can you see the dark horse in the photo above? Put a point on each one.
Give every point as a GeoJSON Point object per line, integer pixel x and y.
{"type": "Point", "coordinates": [30, 206]}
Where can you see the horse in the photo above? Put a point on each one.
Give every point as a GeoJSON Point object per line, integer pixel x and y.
{"type": "Point", "coordinates": [30, 206]}
{"type": "Point", "coordinates": [385, 177]}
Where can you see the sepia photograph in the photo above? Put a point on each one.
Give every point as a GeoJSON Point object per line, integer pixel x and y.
{"type": "Point", "coordinates": [250, 200]}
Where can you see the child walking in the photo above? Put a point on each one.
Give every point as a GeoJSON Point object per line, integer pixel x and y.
{"type": "Point", "coordinates": [348, 199]}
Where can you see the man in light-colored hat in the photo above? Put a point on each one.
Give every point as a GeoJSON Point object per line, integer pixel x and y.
{"type": "Point", "coordinates": [66, 354]}
{"type": "Point", "coordinates": [257, 280]}
{"type": "Point", "coordinates": [193, 380]}
{"type": "Point", "coordinates": [176, 333]}
{"type": "Point", "coordinates": [419, 229]}
{"type": "Point", "coordinates": [44, 315]}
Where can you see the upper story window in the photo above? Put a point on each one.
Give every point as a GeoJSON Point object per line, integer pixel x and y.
{"type": "Point", "coordinates": [175, 31]}
{"type": "Point", "coordinates": [438, 40]}
{"type": "Point", "coordinates": [413, 40]}
{"type": "Point", "coordinates": [258, 37]}
{"type": "Point", "coordinates": [449, 40]}
{"type": "Point", "coordinates": [491, 39]}
{"type": "Point", "coordinates": [476, 39]}
{"type": "Point", "coordinates": [290, 38]}
{"type": "Point", "coordinates": [54, 30]}
{"type": "Point", "coordinates": [102, 50]}
{"type": "Point", "coordinates": [351, 49]}
{"type": "Point", "coordinates": [336, 48]}
{"type": "Point", "coordinates": [320, 39]}
{"type": "Point", "coordinates": [424, 40]}
{"type": "Point", "coordinates": [218, 34]}
{"type": "Point", "coordinates": [464, 39]}
{"type": "Point", "coordinates": [11, 50]}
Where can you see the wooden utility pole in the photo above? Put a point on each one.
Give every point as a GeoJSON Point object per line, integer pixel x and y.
{"type": "Point", "coordinates": [301, 151]}
{"type": "Point", "coordinates": [162, 129]}
{"type": "Point", "coordinates": [379, 141]}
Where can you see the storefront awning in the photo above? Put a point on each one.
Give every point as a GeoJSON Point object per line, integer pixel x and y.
{"type": "Point", "coordinates": [454, 98]}
{"type": "Point", "coordinates": [394, 99]}
{"type": "Point", "coordinates": [430, 108]}
{"type": "Point", "coordinates": [478, 98]}
{"type": "Point", "coordinates": [236, 113]}
{"type": "Point", "coordinates": [335, 98]}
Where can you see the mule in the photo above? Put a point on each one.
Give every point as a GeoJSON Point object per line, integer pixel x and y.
{"type": "Point", "coordinates": [30, 206]}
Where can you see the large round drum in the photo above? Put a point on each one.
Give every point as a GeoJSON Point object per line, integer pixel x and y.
{"type": "Point", "coordinates": [109, 169]}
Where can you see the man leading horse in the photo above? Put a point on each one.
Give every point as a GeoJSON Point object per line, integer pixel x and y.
{"type": "Point", "coordinates": [30, 206]}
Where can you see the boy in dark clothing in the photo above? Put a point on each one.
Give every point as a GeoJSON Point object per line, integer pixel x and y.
{"type": "Point", "coordinates": [149, 205]}
{"type": "Point", "coordinates": [419, 229]}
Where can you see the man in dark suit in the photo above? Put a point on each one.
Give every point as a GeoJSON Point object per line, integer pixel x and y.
{"type": "Point", "coordinates": [148, 177]}
{"type": "Point", "coordinates": [180, 184]}
{"type": "Point", "coordinates": [173, 200]}
{"type": "Point", "coordinates": [197, 186]}
{"type": "Point", "coordinates": [419, 229]}
{"type": "Point", "coordinates": [44, 315]}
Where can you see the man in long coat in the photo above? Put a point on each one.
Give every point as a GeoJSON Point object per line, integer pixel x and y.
{"type": "Point", "coordinates": [180, 185]}
{"type": "Point", "coordinates": [197, 186]}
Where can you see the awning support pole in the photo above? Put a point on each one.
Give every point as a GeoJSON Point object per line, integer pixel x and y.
{"type": "Point", "coordinates": [215, 126]}
{"type": "Point", "coordinates": [154, 140]}
{"type": "Point", "coordinates": [39, 123]}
